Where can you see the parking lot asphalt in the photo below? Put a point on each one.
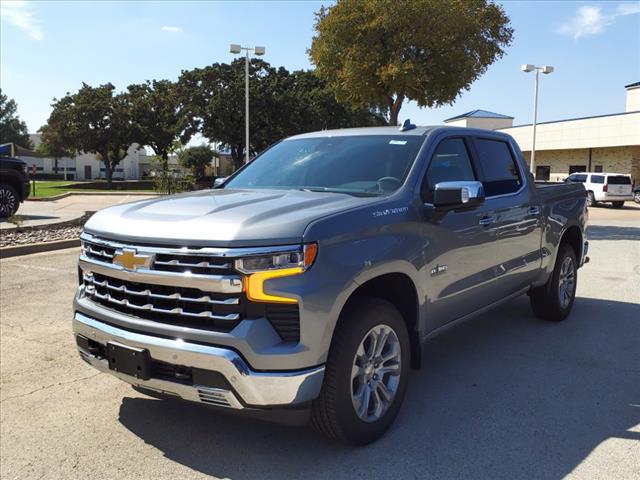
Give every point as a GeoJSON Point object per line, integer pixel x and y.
{"type": "Point", "coordinates": [504, 396]}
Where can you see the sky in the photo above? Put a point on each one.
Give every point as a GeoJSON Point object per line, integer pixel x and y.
{"type": "Point", "coordinates": [49, 48]}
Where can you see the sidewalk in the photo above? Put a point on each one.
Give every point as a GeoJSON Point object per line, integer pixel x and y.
{"type": "Point", "coordinates": [68, 208]}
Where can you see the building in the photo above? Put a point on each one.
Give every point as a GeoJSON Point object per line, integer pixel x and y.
{"type": "Point", "coordinates": [601, 143]}
{"type": "Point", "coordinates": [86, 166]}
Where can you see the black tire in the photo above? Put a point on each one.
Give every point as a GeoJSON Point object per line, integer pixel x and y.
{"type": "Point", "coordinates": [617, 204]}
{"type": "Point", "coordinates": [545, 300]}
{"type": "Point", "coordinates": [333, 412]}
{"type": "Point", "coordinates": [591, 199]}
{"type": "Point", "coordinates": [9, 201]}
{"type": "Point", "coordinates": [636, 197]}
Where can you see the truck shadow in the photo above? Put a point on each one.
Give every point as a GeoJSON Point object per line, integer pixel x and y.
{"type": "Point", "coordinates": [502, 396]}
{"type": "Point", "coordinates": [606, 232]}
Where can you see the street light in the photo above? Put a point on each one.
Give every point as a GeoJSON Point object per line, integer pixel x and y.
{"type": "Point", "coordinates": [235, 48]}
{"type": "Point", "coordinates": [546, 69]}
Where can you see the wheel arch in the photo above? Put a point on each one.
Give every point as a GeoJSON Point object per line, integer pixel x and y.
{"type": "Point", "coordinates": [398, 289]}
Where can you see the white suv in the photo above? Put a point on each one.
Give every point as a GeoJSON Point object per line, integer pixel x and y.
{"type": "Point", "coordinates": [615, 188]}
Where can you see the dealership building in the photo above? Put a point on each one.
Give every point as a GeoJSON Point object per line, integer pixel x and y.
{"type": "Point", "coordinates": [601, 143]}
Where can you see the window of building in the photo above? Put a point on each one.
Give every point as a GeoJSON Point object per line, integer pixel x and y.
{"type": "Point", "coordinates": [597, 178]}
{"type": "Point", "coordinates": [598, 169]}
{"type": "Point", "coordinates": [499, 170]}
{"type": "Point", "coordinates": [543, 172]}
{"type": "Point", "coordinates": [577, 168]}
{"type": "Point", "coordinates": [450, 163]}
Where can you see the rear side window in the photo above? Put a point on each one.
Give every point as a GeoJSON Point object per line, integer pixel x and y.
{"type": "Point", "coordinates": [597, 178]}
{"type": "Point", "coordinates": [618, 180]}
{"type": "Point", "coordinates": [450, 163]}
{"type": "Point", "coordinates": [499, 168]}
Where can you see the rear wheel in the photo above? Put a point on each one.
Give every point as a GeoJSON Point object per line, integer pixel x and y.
{"type": "Point", "coordinates": [554, 300]}
{"type": "Point", "coordinates": [636, 197]}
{"type": "Point", "coordinates": [9, 201]}
{"type": "Point", "coordinates": [618, 204]}
{"type": "Point", "coordinates": [366, 374]}
{"type": "Point", "coordinates": [591, 199]}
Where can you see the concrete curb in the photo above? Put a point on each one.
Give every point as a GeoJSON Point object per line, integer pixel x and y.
{"type": "Point", "coordinates": [18, 250]}
{"type": "Point", "coordinates": [68, 194]}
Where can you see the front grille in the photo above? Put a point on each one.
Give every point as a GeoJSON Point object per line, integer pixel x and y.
{"type": "Point", "coordinates": [285, 319]}
{"type": "Point", "coordinates": [175, 305]}
{"type": "Point", "coordinates": [176, 261]}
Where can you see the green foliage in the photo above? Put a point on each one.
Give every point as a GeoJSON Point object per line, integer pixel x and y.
{"type": "Point", "coordinates": [196, 159]}
{"type": "Point", "coordinates": [282, 104]}
{"type": "Point", "coordinates": [12, 129]}
{"type": "Point", "coordinates": [94, 120]}
{"type": "Point", "coordinates": [381, 52]}
{"type": "Point", "coordinates": [158, 116]}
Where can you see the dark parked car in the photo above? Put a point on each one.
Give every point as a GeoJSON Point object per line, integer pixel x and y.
{"type": "Point", "coordinates": [14, 185]}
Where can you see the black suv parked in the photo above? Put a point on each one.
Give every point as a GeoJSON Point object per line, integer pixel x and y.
{"type": "Point", "coordinates": [14, 185]}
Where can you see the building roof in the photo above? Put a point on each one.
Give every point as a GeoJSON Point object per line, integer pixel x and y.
{"type": "Point", "coordinates": [632, 85]}
{"type": "Point", "coordinates": [479, 114]}
{"type": "Point", "coordinates": [572, 119]}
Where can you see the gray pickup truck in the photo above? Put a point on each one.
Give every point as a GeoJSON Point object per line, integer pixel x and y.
{"type": "Point", "coordinates": [306, 286]}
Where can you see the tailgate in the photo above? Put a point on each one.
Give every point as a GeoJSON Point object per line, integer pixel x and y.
{"type": "Point", "coordinates": [619, 185]}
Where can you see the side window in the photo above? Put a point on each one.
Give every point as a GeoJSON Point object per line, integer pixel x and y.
{"type": "Point", "coordinates": [597, 178]}
{"type": "Point", "coordinates": [580, 178]}
{"type": "Point", "coordinates": [450, 163]}
{"type": "Point", "coordinates": [499, 168]}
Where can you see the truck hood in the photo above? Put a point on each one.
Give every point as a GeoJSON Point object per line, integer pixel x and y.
{"type": "Point", "coordinates": [223, 218]}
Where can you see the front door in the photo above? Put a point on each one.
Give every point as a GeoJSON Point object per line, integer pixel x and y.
{"type": "Point", "coordinates": [459, 245]}
{"type": "Point", "coordinates": [87, 172]}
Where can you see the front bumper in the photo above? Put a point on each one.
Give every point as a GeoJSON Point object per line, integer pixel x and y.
{"type": "Point", "coordinates": [247, 389]}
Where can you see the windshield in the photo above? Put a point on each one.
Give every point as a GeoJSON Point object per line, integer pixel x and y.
{"type": "Point", "coordinates": [369, 165]}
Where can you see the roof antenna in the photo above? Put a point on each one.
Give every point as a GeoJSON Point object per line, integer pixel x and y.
{"type": "Point", "coordinates": [407, 125]}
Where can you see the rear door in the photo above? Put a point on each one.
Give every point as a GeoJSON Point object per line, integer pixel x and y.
{"type": "Point", "coordinates": [518, 218]}
{"type": "Point", "coordinates": [619, 185]}
{"type": "Point", "coordinates": [459, 245]}
{"type": "Point", "coordinates": [596, 185]}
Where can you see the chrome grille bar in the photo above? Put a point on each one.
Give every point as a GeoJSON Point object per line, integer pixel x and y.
{"type": "Point", "coordinates": [180, 263]}
{"type": "Point", "coordinates": [206, 299]}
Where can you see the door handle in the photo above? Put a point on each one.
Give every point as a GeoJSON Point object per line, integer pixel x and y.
{"type": "Point", "coordinates": [534, 211]}
{"type": "Point", "coordinates": [487, 220]}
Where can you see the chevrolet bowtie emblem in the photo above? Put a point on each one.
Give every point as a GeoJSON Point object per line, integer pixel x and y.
{"type": "Point", "coordinates": [131, 260]}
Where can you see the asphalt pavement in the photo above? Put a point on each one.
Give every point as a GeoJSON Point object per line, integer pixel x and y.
{"type": "Point", "coordinates": [504, 396]}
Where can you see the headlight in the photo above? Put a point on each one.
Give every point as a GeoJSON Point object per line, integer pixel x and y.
{"type": "Point", "coordinates": [260, 268]}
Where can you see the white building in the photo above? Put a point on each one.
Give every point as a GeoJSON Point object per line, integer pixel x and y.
{"type": "Point", "coordinates": [602, 143]}
{"type": "Point", "coordinates": [86, 167]}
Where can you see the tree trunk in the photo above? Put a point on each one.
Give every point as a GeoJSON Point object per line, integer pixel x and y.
{"type": "Point", "coordinates": [394, 109]}
{"type": "Point", "coordinates": [108, 172]}
{"type": "Point", "coordinates": [55, 165]}
{"type": "Point", "coordinates": [238, 157]}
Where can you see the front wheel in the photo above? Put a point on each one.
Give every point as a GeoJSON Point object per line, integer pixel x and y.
{"type": "Point", "coordinates": [554, 300]}
{"type": "Point", "coordinates": [9, 201]}
{"type": "Point", "coordinates": [636, 197]}
{"type": "Point", "coordinates": [365, 375]}
{"type": "Point", "coordinates": [591, 199]}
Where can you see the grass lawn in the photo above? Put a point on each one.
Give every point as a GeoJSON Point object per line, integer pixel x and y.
{"type": "Point", "coordinates": [50, 188]}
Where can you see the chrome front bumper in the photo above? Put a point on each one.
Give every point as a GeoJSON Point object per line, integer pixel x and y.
{"type": "Point", "coordinates": [250, 389]}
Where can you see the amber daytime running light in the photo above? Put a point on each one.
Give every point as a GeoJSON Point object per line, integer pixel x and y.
{"type": "Point", "coordinates": [260, 268]}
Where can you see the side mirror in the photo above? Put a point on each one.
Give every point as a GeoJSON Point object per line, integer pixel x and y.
{"type": "Point", "coordinates": [453, 195]}
{"type": "Point", "coordinates": [219, 181]}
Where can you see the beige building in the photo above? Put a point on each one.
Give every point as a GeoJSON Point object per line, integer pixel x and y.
{"type": "Point", "coordinates": [607, 143]}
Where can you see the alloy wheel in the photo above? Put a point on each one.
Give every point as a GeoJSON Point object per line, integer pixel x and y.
{"type": "Point", "coordinates": [567, 282]}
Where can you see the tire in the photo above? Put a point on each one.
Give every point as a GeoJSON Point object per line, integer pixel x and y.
{"type": "Point", "coordinates": [591, 199]}
{"type": "Point", "coordinates": [9, 201]}
{"type": "Point", "coordinates": [547, 300]}
{"type": "Point", "coordinates": [334, 411]}
{"type": "Point", "coordinates": [617, 204]}
{"type": "Point", "coordinates": [636, 197]}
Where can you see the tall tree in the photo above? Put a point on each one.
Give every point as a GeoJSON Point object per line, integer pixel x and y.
{"type": "Point", "coordinates": [196, 159]}
{"type": "Point", "coordinates": [95, 120]}
{"type": "Point", "coordinates": [158, 116]}
{"type": "Point", "coordinates": [12, 128]}
{"type": "Point", "coordinates": [383, 52]}
{"type": "Point", "coordinates": [282, 104]}
{"type": "Point", "coordinates": [57, 136]}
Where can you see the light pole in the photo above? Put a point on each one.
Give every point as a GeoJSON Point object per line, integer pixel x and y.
{"type": "Point", "coordinates": [546, 69]}
{"type": "Point", "coordinates": [235, 48]}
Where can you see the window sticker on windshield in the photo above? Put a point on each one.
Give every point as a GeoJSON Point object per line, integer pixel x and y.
{"type": "Point", "coordinates": [397, 142]}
